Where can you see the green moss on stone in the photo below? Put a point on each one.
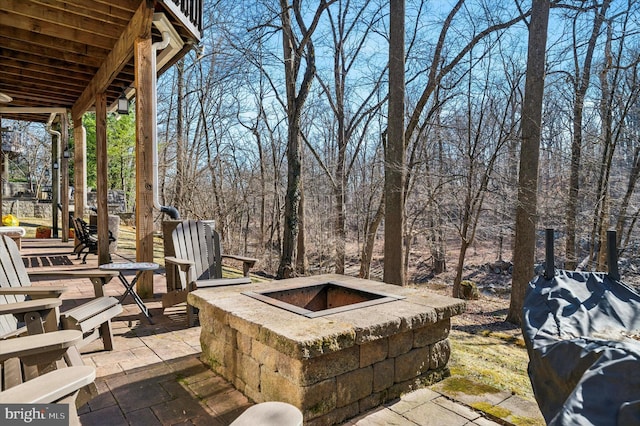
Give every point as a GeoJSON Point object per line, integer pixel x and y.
{"type": "Point", "coordinates": [493, 410]}
{"type": "Point", "coordinates": [525, 421]}
{"type": "Point", "coordinates": [466, 386]}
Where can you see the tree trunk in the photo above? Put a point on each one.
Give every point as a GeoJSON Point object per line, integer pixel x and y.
{"type": "Point", "coordinates": [394, 167]}
{"type": "Point", "coordinates": [367, 248]}
{"type": "Point", "coordinates": [526, 207]}
{"type": "Point", "coordinates": [294, 52]}
{"type": "Point", "coordinates": [457, 292]}
{"type": "Point", "coordinates": [301, 252]}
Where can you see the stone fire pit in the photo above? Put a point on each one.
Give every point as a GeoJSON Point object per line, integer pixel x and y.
{"type": "Point", "coordinates": [335, 361]}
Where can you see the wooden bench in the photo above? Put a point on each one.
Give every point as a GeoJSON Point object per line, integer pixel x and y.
{"type": "Point", "coordinates": [92, 318]}
{"type": "Point", "coordinates": [15, 233]}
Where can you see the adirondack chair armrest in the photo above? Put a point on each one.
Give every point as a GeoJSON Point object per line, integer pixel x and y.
{"type": "Point", "coordinates": [50, 387]}
{"type": "Point", "coordinates": [29, 306]}
{"type": "Point", "coordinates": [247, 262]}
{"type": "Point", "coordinates": [221, 282]}
{"type": "Point", "coordinates": [35, 292]}
{"type": "Point", "coordinates": [183, 264]}
{"type": "Point", "coordinates": [26, 346]}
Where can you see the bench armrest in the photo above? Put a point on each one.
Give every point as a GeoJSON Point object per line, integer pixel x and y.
{"type": "Point", "coordinates": [247, 262]}
{"type": "Point", "coordinates": [29, 306]}
{"type": "Point", "coordinates": [87, 273]}
{"type": "Point", "coordinates": [35, 292]}
{"type": "Point", "coordinates": [20, 347]}
{"type": "Point", "coordinates": [51, 386]}
{"type": "Point", "coordinates": [97, 277]}
{"type": "Point", "coordinates": [183, 264]}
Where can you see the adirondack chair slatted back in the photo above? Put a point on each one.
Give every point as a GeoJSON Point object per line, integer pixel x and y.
{"type": "Point", "coordinates": [12, 274]}
{"type": "Point", "coordinates": [196, 241]}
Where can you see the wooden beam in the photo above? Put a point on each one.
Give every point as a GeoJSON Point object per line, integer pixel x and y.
{"type": "Point", "coordinates": [101, 178]}
{"type": "Point", "coordinates": [139, 26]}
{"type": "Point", "coordinates": [145, 121]}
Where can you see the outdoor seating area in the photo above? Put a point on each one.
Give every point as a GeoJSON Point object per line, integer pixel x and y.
{"type": "Point", "coordinates": [154, 374]}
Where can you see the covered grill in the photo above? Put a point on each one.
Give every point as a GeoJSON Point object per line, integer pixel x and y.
{"type": "Point", "coordinates": [582, 334]}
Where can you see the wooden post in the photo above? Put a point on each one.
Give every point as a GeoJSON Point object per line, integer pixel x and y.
{"type": "Point", "coordinates": [55, 184]}
{"type": "Point", "coordinates": [144, 160]}
{"type": "Point", "coordinates": [1, 170]}
{"type": "Point", "coordinates": [101, 172]}
{"type": "Point", "coordinates": [79, 164]}
{"type": "Point", "coordinates": [64, 176]}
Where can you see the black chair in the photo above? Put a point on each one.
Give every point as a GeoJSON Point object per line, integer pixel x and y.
{"type": "Point", "coordinates": [88, 238]}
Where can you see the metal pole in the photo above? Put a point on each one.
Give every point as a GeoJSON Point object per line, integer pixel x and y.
{"type": "Point", "coordinates": [612, 255]}
{"type": "Point", "coordinates": [549, 267]}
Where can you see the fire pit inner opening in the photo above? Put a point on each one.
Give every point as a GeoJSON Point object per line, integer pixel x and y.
{"type": "Point", "coordinates": [322, 299]}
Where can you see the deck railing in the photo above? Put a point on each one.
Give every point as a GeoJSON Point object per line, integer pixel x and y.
{"type": "Point", "coordinates": [192, 9]}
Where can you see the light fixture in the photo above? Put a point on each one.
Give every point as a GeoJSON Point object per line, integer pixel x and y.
{"type": "Point", "coordinates": [66, 153]}
{"type": "Point", "coordinates": [123, 104]}
{"type": "Point", "coordinates": [46, 173]}
{"type": "Point", "coordinates": [55, 165]}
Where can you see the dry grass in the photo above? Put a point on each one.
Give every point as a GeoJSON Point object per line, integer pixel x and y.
{"type": "Point", "coordinates": [486, 349]}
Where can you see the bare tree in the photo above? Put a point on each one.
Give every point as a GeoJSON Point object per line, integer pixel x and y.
{"type": "Point", "coordinates": [394, 168]}
{"type": "Point", "coordinates": [581, 80]}
{"type": "Point", "coordinates": [526, 209]}
{"type": "Point", "coordinates": [296, 49]}
{"type": "Point", "coordinates": [351, 28]}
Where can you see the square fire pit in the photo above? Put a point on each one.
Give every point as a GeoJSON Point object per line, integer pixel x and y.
{"type": "Point", "coordinates": [316, 300]}
{"type": "Point", "coordinates": [333, 346]}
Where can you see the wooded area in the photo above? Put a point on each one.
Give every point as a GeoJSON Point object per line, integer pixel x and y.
{"type": "Point", "coordinates": [276, 126]}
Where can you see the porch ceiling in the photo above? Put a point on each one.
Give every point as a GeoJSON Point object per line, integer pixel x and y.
{"type": "Point", "coordinates": [52, 50]}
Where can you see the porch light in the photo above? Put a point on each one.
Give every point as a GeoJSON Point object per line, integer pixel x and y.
{"type": "Point", "coordinates": [55, 165]}
{"type": "Point", "coordinates": [123, 104]}
{"type": "Point", "coordinates": [66, 153]}
{"type": "Point", "coordinates": [46, 173]}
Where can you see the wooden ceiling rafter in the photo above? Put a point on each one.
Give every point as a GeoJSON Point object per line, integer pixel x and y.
{"type": "Point", "coordinates": [51, 30]}
{"type": "Point", "coordinates": [60, 23]}
{"type": "Point", "coordinates": [15, 76]}
{"type": "Point", "coordinates": [97, 11]}
{"type": "Point", "coordinates": [59, 53]}
{"type": "Point", "coordinates": [35, 97]}
{"type": "Point", "coordinates": [139, 26]}
{"type": "Point", "coordinates": [20, 60]}
{"type": "Point", "coordinates": [26, 54]}
{"type": "Point", "coordinates": [30, 38]}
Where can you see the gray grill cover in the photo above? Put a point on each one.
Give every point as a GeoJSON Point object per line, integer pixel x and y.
{"type": "Point", "coordinates": [581, 330]}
